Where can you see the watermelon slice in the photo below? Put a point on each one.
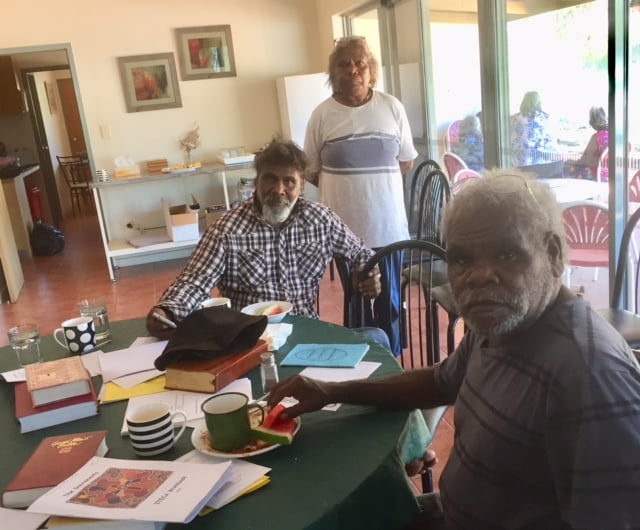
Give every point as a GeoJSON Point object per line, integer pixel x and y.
{"type": "Point", "coordinates": [271, 310]}
{"type": "Point", "coordinates": [276, 430]}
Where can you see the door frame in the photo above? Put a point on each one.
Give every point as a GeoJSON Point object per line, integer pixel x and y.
{"type": "Point", "coordinates": [42, 144]}
{"type": "Point", "coordinates": [61, 47]}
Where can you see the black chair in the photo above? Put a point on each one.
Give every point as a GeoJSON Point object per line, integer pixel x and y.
{"type": "Point", "coordinates": [436, 193]}
{"type": "Point", "coordinates": [415, 319]}
{"type": "Point", "coordinates": [77, 174]}
{"type": "Point", "coordinates": [345, 272]}
{"type": "Point", "coordinates": [626, 322]}
{"type": "Point", "coordinates": [417, 182]}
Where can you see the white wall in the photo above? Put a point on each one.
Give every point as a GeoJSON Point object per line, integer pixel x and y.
{"type": "Point", "coordinates": [271, 38]}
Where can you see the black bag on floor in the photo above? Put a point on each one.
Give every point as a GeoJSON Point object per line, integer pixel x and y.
{"type": "Point", "coordinates": [46, 240]}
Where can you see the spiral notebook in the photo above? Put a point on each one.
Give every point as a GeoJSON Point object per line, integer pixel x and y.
{"type": "Point", "coordinates": [326, 355]}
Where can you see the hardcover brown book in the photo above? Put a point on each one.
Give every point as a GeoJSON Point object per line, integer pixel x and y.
{"type": "Point", "coordinates": [54, 460]}
{"type": "Point", "coordinates": [213, 374]}
{"type": "Point", "coordinates": [33, 418]}
{"type": "Point", "coordinates": [57, 380]}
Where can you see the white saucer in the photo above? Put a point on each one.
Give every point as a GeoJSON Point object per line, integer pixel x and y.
{"type": "Point", "coordinates": [200, 440]}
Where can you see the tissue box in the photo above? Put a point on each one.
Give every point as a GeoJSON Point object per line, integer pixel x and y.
{"type": "Point", "coordinates": [127, 172]}
{"type": "Point", "coordinates": [181, 221]}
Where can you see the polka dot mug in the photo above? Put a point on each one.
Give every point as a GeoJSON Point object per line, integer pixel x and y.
{"type": "Point", "coordinates": [78, 335]}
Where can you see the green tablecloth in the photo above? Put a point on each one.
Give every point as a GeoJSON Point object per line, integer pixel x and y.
{"type": "Point", "coordinates": [343, 471]}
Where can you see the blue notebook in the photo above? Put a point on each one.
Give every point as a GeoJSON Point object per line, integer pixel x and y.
{"type": "Point", "coordinates": [326, 355]}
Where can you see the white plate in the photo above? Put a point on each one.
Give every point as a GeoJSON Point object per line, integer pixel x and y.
{"type": "Point", "coordinates": [257, 308]}
{"type": "Point", "coordinates": [242, 159]}
{"type": "Point", "coordinates": [185, 170]}
{"type": "Point", "coordinates": [200, 440]}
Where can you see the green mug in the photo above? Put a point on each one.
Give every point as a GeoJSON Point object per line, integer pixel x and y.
{"type": "Point", "coordinates": [227, 419]}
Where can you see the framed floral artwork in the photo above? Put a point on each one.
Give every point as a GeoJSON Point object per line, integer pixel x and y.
{"type": "Point", "coordinates": [149, 82]}
{"type": "Point", "coordinates": [205, 52]}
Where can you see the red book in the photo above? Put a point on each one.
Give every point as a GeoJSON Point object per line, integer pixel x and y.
{"type": "Point", "coordinates": [213, 374]}
{"type": "Point", "coordinates": [33, 418]}
{"type": "Point", "coordinates": [54, 460]}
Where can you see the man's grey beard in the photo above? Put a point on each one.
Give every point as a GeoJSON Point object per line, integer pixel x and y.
{"type": "Point", "coordinates": [520, 305]}
{"type": "Point", "coordinates": [276, 215]}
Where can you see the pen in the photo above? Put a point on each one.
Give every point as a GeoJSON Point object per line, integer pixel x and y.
{"type": "Point", "coordinates": [164, 320]}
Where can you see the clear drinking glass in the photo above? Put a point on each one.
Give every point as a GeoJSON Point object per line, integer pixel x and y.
{"type": "Point", "coordinates": [25, 341]}
{"type": "Point", "coordinates": [96, 308]}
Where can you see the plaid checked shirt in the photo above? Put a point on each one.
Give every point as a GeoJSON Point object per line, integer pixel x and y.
{"type": "Point", "coordinates": [251, 261]}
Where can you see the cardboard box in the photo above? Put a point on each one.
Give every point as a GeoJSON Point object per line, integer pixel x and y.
{"type": "Point", "coordinates": [181, 221]}
{"type": "Point", "coordinates": [213, 213]}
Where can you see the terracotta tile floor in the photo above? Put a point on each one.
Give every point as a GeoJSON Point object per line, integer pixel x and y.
{"type": "Point", "coordinates": [54, 284]}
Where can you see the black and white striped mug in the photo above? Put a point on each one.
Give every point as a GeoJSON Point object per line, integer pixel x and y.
{"type": "Point", "coordinates": [151, 429]}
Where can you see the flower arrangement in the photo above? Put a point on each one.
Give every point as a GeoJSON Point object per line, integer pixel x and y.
{"type": "Point", "coordinates": [190, 141]}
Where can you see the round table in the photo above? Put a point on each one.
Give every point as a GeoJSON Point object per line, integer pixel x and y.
{"type": "Point", "coordinates": [343, 471]}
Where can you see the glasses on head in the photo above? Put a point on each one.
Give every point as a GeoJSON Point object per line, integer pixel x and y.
{"type": "Point", "coordinates": [348, 39]}
{"type": "Point", "coordinates": [512, 183]}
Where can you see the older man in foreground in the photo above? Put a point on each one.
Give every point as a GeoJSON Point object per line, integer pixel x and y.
{"type": "Point", "coordinates": [546, 393]}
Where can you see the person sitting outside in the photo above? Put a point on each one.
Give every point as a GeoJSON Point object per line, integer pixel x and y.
{"type": "Point", "coordinates": [531, 136]}
{"type": "Point", "coordinates": [586, 167]}
{"type": "Point", "coordinates": [275, 246]}
{"type": "Point", "coordinates": [546, 393]}
{"type": "Point", "coordinates": [469, 145]}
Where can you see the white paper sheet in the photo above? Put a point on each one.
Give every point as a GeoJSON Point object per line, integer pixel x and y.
{"type": "Point", "coordinates": [242, 475]}
{"type": "Point", "coordinates": [14, 376]}
{"type": "Point", "coordinates": [276, 335]}
{"type": "Point", "coordinates": [187, 402]}
{"type": "Point", "coordinates": [362, 371]}
{"type": "Point", "coordinates": [144, 340]}
{"type": "Point", "coordinates": [21, 519]}
{"type": "Point", "coordinates": [130, 360]}
{"type": "Point", "coordinates": [131, 380]}
{"type": "Point", "coordinates": [91, 362]}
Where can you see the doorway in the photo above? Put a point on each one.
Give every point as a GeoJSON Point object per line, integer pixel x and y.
{"type": "Point", "coordinates": [40, 134]}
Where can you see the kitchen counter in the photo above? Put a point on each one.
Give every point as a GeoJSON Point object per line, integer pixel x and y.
{"type": "Point", "coordinates": [12, 172]}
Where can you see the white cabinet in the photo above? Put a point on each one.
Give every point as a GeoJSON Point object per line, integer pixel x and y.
{"type": "Point", "coordinates": [137, 201]}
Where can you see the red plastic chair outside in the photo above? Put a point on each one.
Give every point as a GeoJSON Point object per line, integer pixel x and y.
{"type": "Point", "coordinates": [634, 192]}
{"type": "Point", "coordinates": [462, 177]}
{"type": "Point", "coordinates": [587, 227]}
{"type": "Point", "coordinates": [452, 163]}
{"type": "Point", "coordinates": [453, 132]}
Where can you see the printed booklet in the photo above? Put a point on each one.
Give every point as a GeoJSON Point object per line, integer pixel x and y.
{"type": "Point", "coordinates": [153, 490]}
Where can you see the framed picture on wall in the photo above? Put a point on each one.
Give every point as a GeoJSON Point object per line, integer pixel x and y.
{"type": "Point", "coordinates": [205, 52]}
{"type": "Point", "coordinates": [149, 82]}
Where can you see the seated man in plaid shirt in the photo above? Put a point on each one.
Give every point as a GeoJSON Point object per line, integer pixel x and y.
{"type": "Point", "coordinates": [275, 246]}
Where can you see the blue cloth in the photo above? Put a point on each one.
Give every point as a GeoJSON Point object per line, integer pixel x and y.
{"type": "Point", "coordinates": [387, 306]}
{"type": "Point", "coordinates": [376, 334]}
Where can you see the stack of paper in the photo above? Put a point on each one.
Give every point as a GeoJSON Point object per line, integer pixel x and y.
{"type": "Point", "coordinates": [244, 477]}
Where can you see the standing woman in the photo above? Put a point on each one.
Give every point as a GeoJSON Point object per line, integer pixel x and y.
{"type": "Point", "coordinates": [359, 146]}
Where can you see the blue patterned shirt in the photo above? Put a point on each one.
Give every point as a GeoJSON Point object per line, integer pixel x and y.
{"type": "Point", "coordinates": [251, 261]}
{"type": "Point", "coordinates": [531, 139]}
